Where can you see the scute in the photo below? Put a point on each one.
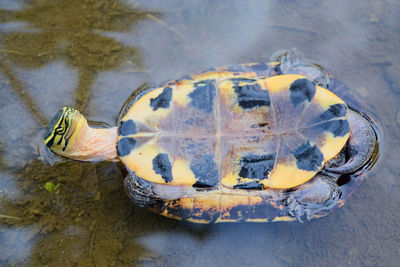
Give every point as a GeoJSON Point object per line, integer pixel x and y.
{"type": "Point", "coordinates": [242, 131]}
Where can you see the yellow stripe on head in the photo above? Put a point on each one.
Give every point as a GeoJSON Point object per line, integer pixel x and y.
{"type": "Point", "coordinates": [61, 129]}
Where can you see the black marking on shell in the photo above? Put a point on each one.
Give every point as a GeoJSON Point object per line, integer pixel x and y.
{"type": "Point", "coordinates": [175, 209]}
{"type": "Point", "coordinates": [125, 146]}
{"type": "Point", "coordinates": [251, 95]}
{"type": "Point", "coordinates": [256, 166]}
{"type": "Point", "coordinates": [127, 128]}
{"type": "Point", "coordinates": [263, 210]}
{"type": "Point", "coordinates": [239, 212]}
{"type": "Point", "coordinates": [162, 100]}
{"type": "Point", "coordinates": [162, 166]}
{"type": "Point", "coordinates": [308, 157]}
{"type": "Point", "coordinates": [203, 95]}
{"type": "Point", "coordinates": [301, 90]}
{"type": "Point", "coordinates": [209, 215]}
{"type": "Point", "coordinates": [251, 185]}
{"type": "Point", "coordinates": [337, 127]}
{"type": "Point", "coordinates": [334, 111]}
{"type": "Point", "coordinates": [205, 170]}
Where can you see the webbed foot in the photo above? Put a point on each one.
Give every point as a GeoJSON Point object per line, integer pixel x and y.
{"type": "Point", "coordinates": [321, 193]}
{"type": "Point", "coordinates": [140, 191]}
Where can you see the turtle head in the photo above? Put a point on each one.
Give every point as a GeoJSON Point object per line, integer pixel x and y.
{"type": "Point", "coordinates": [63, 129]}
{"type": "Point", "coordinates": [69, 135]}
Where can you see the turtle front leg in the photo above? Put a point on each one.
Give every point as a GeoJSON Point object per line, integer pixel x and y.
{"type": "Point", "coordinates": [144, 193]}
{"type": "Point", "coordinates": [291, 62]}
{"type": "Point", "coordinates": [320, 193]}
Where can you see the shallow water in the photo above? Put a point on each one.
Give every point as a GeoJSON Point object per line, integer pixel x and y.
{"type": "Point", "coordinates": [92, 54]}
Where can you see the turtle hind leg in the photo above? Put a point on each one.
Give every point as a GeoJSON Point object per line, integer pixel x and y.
{"type": "Point", "coordinates": [360, 147]}
{"type": "Point", "coordinates": [140, 191]}
{"type": "Point", "coordinates": [145, 193]}
{"type": "Point", "coordinates": [321, 193]}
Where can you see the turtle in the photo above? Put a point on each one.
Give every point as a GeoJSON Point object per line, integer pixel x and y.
{"type": "Point", "coordinates": [257, 142]}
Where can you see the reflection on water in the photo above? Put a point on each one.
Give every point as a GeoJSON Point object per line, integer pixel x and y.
{"type": "Point", "coordinates": [16, 243]}
{"type": "Point", "coordinates": [71, 32]}
{"type": "Point", "coordinates": [91, 54]}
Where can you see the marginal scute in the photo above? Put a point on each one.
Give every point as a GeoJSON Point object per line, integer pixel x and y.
{"type": "Point", "coordinates": [263, 209]}
{"type": "Point", "coordinates": [234, 208]}
{"type": "Point", "coordinates": [179, 210]}
{"type": "Point", "coordinates": [206, 208]}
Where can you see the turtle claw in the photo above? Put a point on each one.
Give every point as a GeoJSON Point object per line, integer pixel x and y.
{"type": "Point", "coordinates": [321, 193]}
{"type": "Point", "coordinates": [296, 209]}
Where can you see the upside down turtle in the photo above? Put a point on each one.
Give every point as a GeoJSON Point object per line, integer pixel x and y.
{"type": "Point", "coordinates": [251, 142]}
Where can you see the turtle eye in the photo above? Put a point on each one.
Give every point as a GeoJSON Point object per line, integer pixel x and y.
{"type": "Point", "coordinates": [60, 130]}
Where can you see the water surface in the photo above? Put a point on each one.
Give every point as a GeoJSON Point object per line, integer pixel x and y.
{"type": "Point", "coordinates": [93, 54]}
